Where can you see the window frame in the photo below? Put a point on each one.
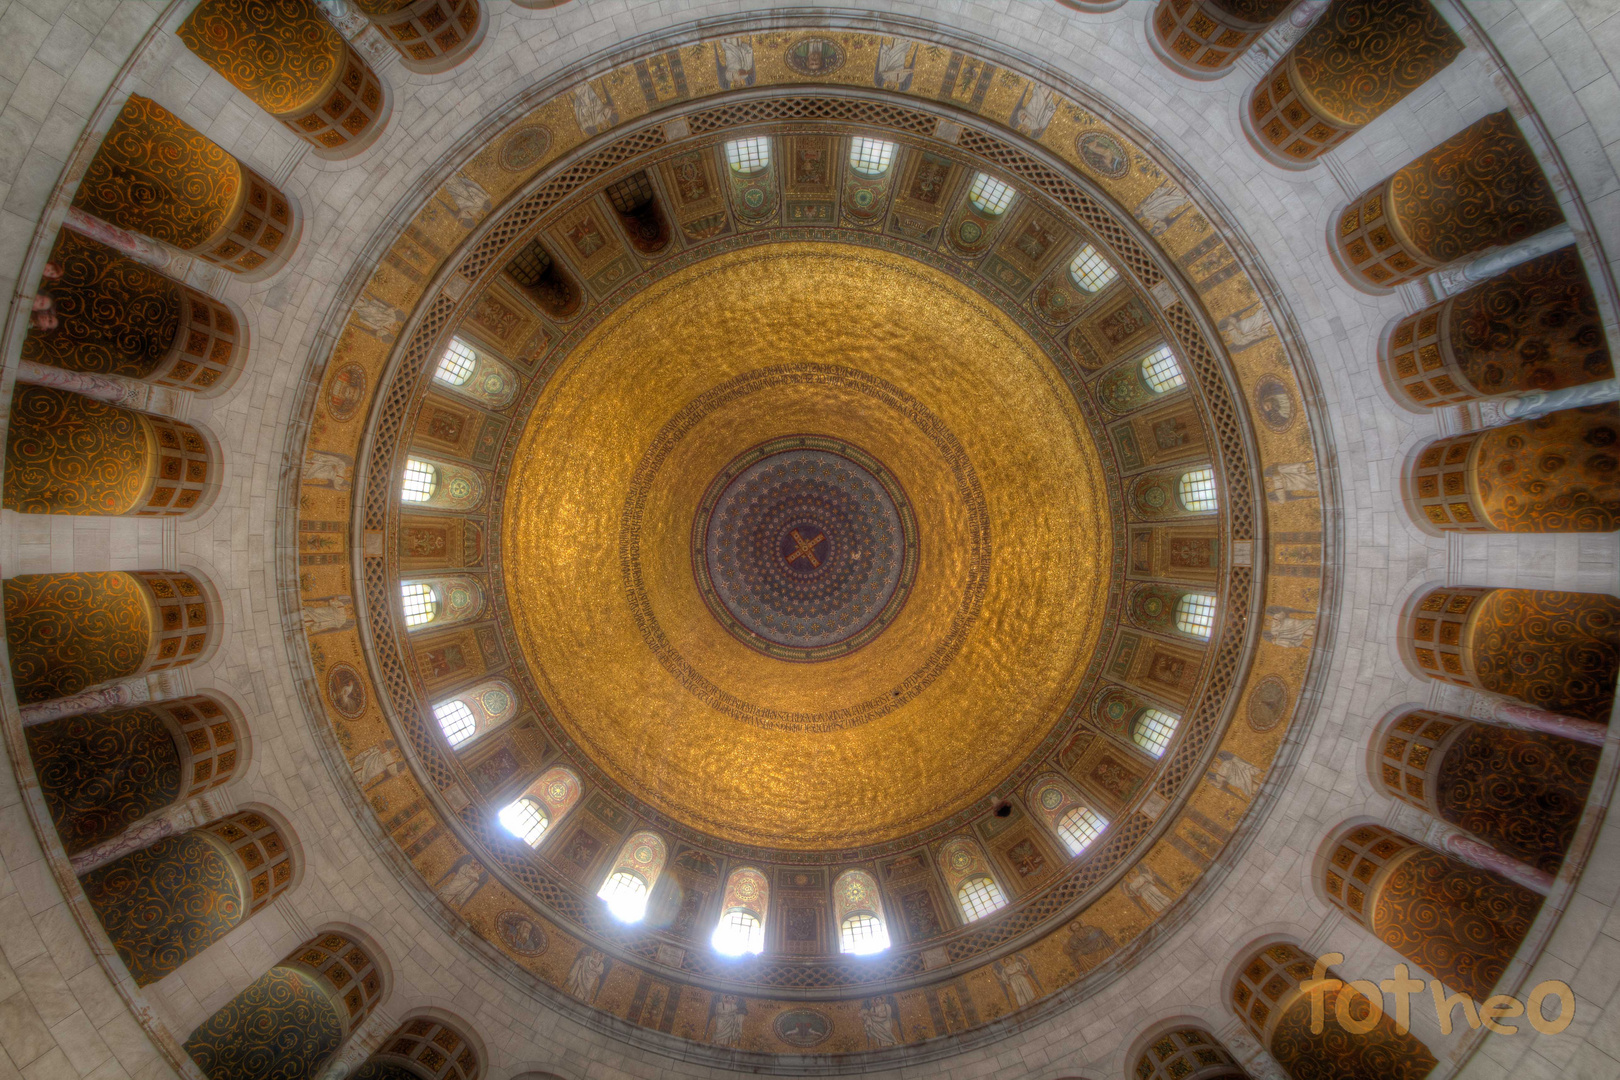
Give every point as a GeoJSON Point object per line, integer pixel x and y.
{"type": "Point", "coordinates": [456, 364]}
{"type": "Point", "coordinates": [1001, 195]}
{"type": "Point", "coordinates": [424, 612]}
{"type": "Point", "coordinates": [1195, 615]}
{"type": "Point", "coordinates": [420, 481]}
{"type": "Point", "coordinates": [884, 155]}
{"type": "Point", "coordinates": [1201, 484]}
{"type": "Point", "coordinates": [531, 835]}
{"type": "Point", "coordinates": [464, 715]}
{"type": "Point", "coordinates": [1162, 727]}
{"type": "Point", "coordinates": [970, 904]}
{"type": "Point", "coordinates": [749, 155]}
{"type": "Point", "coordinates": [1161, 370]}
{"type": "Point", "coordinates": [1093, 258]}
{"type": "Point", "coordinates": [1075, 839]}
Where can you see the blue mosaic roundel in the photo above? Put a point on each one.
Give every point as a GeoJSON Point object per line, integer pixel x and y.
{"type": "Point", "coordinates": [805, 547]}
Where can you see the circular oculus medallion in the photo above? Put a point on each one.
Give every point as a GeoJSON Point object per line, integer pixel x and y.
{"type": "Point", "coordinates": [805, 548]}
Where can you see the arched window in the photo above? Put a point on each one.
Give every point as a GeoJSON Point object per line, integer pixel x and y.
{"type": "Point", "coordinates": [742, 914]}
{"type": "Point", "coordinates": [739, 932]}
{"type": "Point", "coordinates": [421, 480]}
{"type": "Point", "coordinates": [457, 363]}
{"type": "Point", "coordinates": [456, 721]}
{"type": "Point", "coordinates": [862, 934]}
{"type": "Point", "coordinates": [859, 912]}
{"type": "Point", "coordinates": [749, 156]}
{"type": "Point", "coordinates": [989, 195]}
{"type": "Point", "coordinates": [1153, 729]}
{"type": "Point", "coordinates": [626, 895]}
{"type": "Point", "coordinates": [1160, 370]}
{"type": "Point", "coordinates": [1197, 492]}
{"type": "Point", "coordinates": [1079, 827]}
{"type": "Point", "coordinates": [421, 602]}
{"type": "Point", "coordinates": [1091, 271]}
{"type": "Point", "coordinates": [870, 157]}
{"type": "Point", "coordinates": [1195, 614]}
{"type": "Point", "coordinates": [979, 896]}
{"type": "Point", "coordinates": [525, 819]}
{"type": "Point", "coordinates": [633, 876]}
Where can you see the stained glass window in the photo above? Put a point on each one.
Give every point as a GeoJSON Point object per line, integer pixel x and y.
{"type": "Point", "coordinates": [421, 480]}
{"type": "Point", "coordinates": [1153, 730]}
{"type": "Point", "coordinates": [456, 721]}
{"type": "Point", "coordinates": [457, 363]}
{"type": "Point", "coordinates": [626, 896]}
{"type": "Point", "coordinates": [421, 602]}
{"type": "Point", "coordinates": [524, 819]}
{"type": "Point", "coordinates": [1161, 371]}
{"type": "Point", "coordinates": [870, 157]}
{"type": "Point", "coordinates": [748, 156]}
{"type": "Point", "coordinates": [861, 934]}
{"type": "Point", "coordinates": [979, 896]}
{"type": "Point", "coordinates": [1091, 271]}
{"type": "Point", "coordinates": [1198, 490]}
{"type": "Point", "coordinates": [739, 932]}
{"type": "Point", "coordinates": [990, 195]}
{"type": "Point", "coordinates": [1195, 615]}
{"type": "Point", "coordinates": [1079, 827]}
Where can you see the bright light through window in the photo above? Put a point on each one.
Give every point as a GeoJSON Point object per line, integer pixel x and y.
{"type": "Point", "coordinates": [1079, 827]}
{"type": "Point", "coordinates": [1195, 615]}
{"type": "Point", "coordinates": [457, 363]}
{"type": "Point", "coordinates": [1153, 731]}
{"type": "Point", "coordinates": [870, 157]}
{"type": "Point", "coordinates": [421, 603]}
{"type": "Point", "coordinates": [990, 195]}
{"type": "Point", "coordinates": [739, 932]}
{"type": "Point", "coordinates": [458, 725]}
{"type": "Point", "coordinates": [979, 896]}
{"type": "Point", "coordinates": [1091, 271]}
{"type": "Point", "coordinates": [421, 480]}
{"type": "Point", "coordinates": [1161, 371]}
{"type": "Point", "coordinates": [1198, 491]}
{"type": "Point", "coordinates": [626, 896]}
{"type": "Point", "coordinates": [523, 819]}
{"type": "Point", "coordinates": [748, 156]}
{"type": "Point", "coordinates": [862, 934]}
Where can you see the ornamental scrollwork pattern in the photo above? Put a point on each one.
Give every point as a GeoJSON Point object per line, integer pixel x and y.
{"type": "Point", "coordinates": [67, 632]}
{"type": "Point", "coordinates": [282, 1027]}
{"type": "Point", "coordinates": [166, 903]}
{"type": "Point", "coordinates": [69, 454]}
{"type": "Point", "coordinates": [103, 772]}
{"type": "Point", "coordinates": [1359, 59]}
{"type": "Point", "coordinates": [157, 175]}
{"type": "Point", "coordinates": [281, 53]}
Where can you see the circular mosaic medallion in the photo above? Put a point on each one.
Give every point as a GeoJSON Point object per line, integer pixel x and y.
{"type": "Point", "coordinates": [805, 548]}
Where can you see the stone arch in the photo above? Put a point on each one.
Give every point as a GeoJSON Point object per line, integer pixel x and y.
{"type": "Point", "coordinates": [488, 381]}
{"type": "Point", "coordinates": [1157, 495]}
{"type": "Point", "coordinates": [1125, 387]}
{"type": "Point", "coordinates": [1374, 237]}
{"type": "Point", "coordinates": [71, 454]}
{"type": "Point", "coordinates": [456, 487]}
{"type": "Point", "coordinates": [1307, 103]}
{"type": "Point", "coordinates": [1177, 611]}
{"type": "Point", "coordinates": [1180, 1049]}
{"type": "Point", "coordinates": [1460, 923]}
{"type": "Point", "coordinates": [641, 859]}
{"type": "Point", "coordinates": [855, 893]}
{"type": "Point", "coordinates": [430, 1043]}
{"type": "Point", "coordinates": [430, 35]}
{"type": "Point", "coordinates": [116, 316]}
{"type": "Point", "coordinates": [163, 904]}
{"type": "Point", "coordinates": [1522, 792]}
{"type": "Point", "coordinates": [1557, 651]}
{"type": "Point", "coordinates": [543, 279]}
{"type": "Point", "coordinates": [156, 175]}
{"type": "Point", "coordinates": [1202, 40]}
{"type": "Point", "coordinates": [1265, 991]}
{"type": "Point", "coordinates": [102, 772]}
{"type": "Point", "coordinates": [290, 61]}
{"type": "Point", "coordinates": [1052, 798]}
{"type": "Point", "coordinates": [299, 1012]}
{"type": "Point", "coordinates": [1534, 326]}
{"type": "Point", "coordinates": [1553, 473]}
{"type": "Point", "coordinates": [69, 632]}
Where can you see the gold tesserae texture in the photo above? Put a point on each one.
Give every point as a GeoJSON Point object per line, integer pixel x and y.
{"type": "Point", "coordinates": [1012, 529]}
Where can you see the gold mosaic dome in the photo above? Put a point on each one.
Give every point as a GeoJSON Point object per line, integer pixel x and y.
{"type": "Point", "coordinates": [1009, 554]}
{"type": "Point", "coordinates": [815, 511]}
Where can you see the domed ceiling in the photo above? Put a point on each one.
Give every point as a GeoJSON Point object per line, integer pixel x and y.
{"type": "Point", "coordinates": [790, 518]}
